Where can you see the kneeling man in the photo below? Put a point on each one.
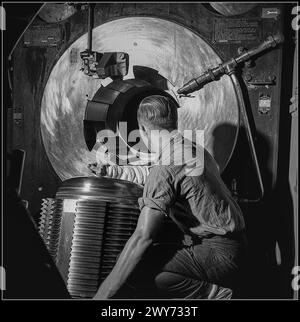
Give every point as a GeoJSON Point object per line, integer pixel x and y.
{"type": "Point", "coordinates": [184, 186]}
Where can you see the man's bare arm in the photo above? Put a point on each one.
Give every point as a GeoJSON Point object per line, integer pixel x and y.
{"type": "Point", "coordinates": [137, 173]}
{"type": "Point", "coordinates": [145, 233]}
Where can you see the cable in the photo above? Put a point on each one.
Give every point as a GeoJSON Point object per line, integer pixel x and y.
{"type": "Point", "coordinates": [243, 111]}
{"type": "Point", "coordinates": [14, 47]}
{"type": "Point", "coordinates": [10, 54]}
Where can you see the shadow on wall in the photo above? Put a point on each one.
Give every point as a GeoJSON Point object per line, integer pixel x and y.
{"type": "Point", "coordinates": [269, 222]}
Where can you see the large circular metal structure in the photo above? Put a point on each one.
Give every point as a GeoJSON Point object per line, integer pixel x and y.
{"type": "Point", "coordinates": [175, 52]}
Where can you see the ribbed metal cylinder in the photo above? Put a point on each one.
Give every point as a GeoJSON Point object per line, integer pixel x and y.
{"type": "Point", "coordinates": [86, 226]}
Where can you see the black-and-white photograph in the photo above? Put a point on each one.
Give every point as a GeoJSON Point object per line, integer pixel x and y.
{"type": "Point", "coordinates": [150, 152]}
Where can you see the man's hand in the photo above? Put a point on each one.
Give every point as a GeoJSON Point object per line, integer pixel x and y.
{"type": "Point", "coordinates": [99, 169]}
{"type": "Point", "coordinates": [105, 292]}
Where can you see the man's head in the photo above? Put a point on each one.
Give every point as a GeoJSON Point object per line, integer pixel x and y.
{"type": "Point", "coordinates": [157, 116]}
{"type": "Point", "coordinates": [157, 112]}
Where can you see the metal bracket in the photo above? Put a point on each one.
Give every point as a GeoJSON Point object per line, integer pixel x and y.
{"type": "Point", "coordinates": [102, 65]}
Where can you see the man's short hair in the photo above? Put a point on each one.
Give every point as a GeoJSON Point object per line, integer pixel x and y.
{"type": "Point", "coordinates": [158, 112]}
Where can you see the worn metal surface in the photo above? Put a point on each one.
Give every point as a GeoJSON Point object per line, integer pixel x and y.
{"type": "Point", "coordinates": [174, 51]}
{"type": "Point", "coordinates": [56, 12]}
{"type": "Point", "coordinates": [231, 8]}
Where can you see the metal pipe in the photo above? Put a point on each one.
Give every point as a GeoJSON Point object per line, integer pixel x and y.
{"type": "Point", "coordinates": [271, 41]}
{"type": "Point", "coordinates": [229, 68]}
{"type": "Point", "coordinates": [243, 111]}
{"type": "Point", "coordinates": [90, 26]}
{"type": "Point", "coordinates": [212, 74]}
